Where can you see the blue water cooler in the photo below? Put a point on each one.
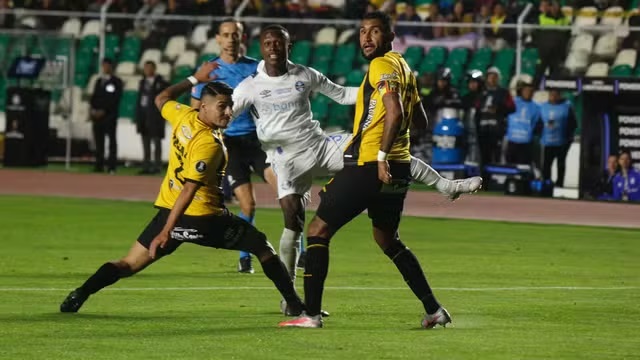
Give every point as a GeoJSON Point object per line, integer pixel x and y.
{"type": "Point", "coordinates": [448, 139]}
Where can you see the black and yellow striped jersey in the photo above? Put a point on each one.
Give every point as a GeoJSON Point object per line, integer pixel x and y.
{"type": "Point", "coordinates": [388, 73]}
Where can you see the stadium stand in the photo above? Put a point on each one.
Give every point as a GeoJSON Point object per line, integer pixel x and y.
{"type": "Point", "coordinates": [331, 50]}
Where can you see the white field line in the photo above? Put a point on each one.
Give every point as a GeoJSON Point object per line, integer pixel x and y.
{"type": "Point", "coordinates": [347, 288]}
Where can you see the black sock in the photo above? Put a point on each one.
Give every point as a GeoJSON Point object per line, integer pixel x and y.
{"type": "Point", "coordinates": [412, 273]}
{"type": "Point", "coordinates": [277, 272]}
{"type": "Point", "coordinates": [106, 275]}
{"type": "Point", "coordinates": [315, 273]}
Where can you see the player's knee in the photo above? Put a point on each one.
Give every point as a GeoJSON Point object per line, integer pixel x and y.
{"type": "Point", "coordinates": [248, 207]}
{"type": "Point", "coordinates": [263, 250]}
{"type": "Point", "coordinates": [319, 228]}
{"type": "Point", "coordinates": [125, 268]}
{"type": "Point", "coordinates": [394, 248]}
{"type": "Point", "coordinates": [293, 212]}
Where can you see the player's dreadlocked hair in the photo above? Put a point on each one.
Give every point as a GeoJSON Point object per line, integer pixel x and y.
{"type": "Point", "coordinates": [217, 88]}
{"type": "Point", "coordinates": [275, 28]}
{"type": "Point", "coordinates": [384, 18]}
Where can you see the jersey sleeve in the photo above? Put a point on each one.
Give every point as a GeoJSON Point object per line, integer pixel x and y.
{"type": "Point", "coordinates": [174, 111]}
{"type": "Point", "coordinates": [337, 93]}
{"type": "Point", "coordinates": [242, 98]}
{"type": "Point", "coordinates": [196, 91]}
{"type": "Point", "coordinates": [385, 77]}
{"type": "Point", "coordinates": [204, 157]}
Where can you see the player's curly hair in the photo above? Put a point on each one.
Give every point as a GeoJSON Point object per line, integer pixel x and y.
{"type": "Point", "coordinates": [384, 18]}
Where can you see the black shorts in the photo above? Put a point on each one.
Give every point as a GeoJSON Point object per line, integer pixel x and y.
{"type": "Point", "coordinates": [356, 188]}
{"type": "Point", "coordinates": [218, 231]}
{"type": "Point", "coordinates": [245, 156]}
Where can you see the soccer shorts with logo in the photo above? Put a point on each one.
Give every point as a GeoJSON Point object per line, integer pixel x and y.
{"type": "Point", "coordinates": [295, 168]}
{"type": "Point", "coordinates": [357, 188]}
{"type": "Point", "coordinates": [225, 231]}
{"type": "Point", "coordinates": [245, 157]}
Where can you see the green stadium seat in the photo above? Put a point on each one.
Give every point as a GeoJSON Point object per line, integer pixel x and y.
{"type": "Point", "coordinates": [206, 57]}
{"type": "Point", "coordinates": [254, 49]}
{"type": "Point", "coordinates": [343, 61]}
{"type": "Point", "coordinates": [81, 79]}
{"type": "Point", "coordinates": [181, 72]}
{"type": "Point", "coordinates": [354, 77]}
{"type": "Point", "coordinates": [482, 56]}
{"type": "Point", "coordinates": [322, 53]}
{"type": "Point", "coordinates": [437, 55]}
{"type": "Point", "coordinates": [413, 55]}
{"type": "Point", "coordinates": [458, 56]}
{"type": "Point", "coordinates": [322, 67]}
{"type": "Point", "coordinates": [127, 106]}
{"type": "Point", "coordinates": [505, 58]}
{"type": "Point", "coordinates": [320, 108]}
{"type": "Point", "coordinates": [340, 116]}
{"type": "Point", "coordinates": [301, 52]}
{"type": "Point", "coordinates": [621, 71]}
{"type": "Point", "coordinates": [428, 66]}
{"type": "Point", "coordinates": [131, 47]}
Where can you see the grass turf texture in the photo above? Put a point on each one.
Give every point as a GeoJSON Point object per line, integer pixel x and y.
{"type": "Point", "coordinates": [56, 243]}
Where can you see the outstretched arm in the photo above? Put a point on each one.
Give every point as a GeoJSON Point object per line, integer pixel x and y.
{"type": "Point", "coordinates": [340, 94]}
{"type": "Point", "coordinates": [173, 91]}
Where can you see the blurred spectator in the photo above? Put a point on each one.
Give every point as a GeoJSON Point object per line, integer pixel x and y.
{"type": "Point", "coordinates": [442, 96]}
{"type": "Point", "coordinates": [434, 31]}
{"type": "Point", "coordinates": [458, 16]}
{"type": "Point", "coordinates": [603, 189]}
{"type": "Point", "coordinates": [421, 138]}
{"type": "Point", "coordinates": [633, 39]}
{"type": "Point", "coordinates": [301, 31]}
{"type": "Point", "coordinates": [277, 9]}
{"type": "Point", "coordinates": [446, 6]}
{"type": "Point", "coordinates": [626, 184]}
{"type": "Point", "coordinates": [176, 27]}
{"type": "Point", "coordinates": [6, 20]}
{"type": "Point", "coordinates": [521, 126]}
{"type": "Point", "coordinates": [558, 127]}
{"type": "Point", "coordinates": [145, 22]}
{"type": "Point", "coordinates": [354, 9]}
{"type": "Point", "coordinates": [121, 25]}
{"type": "Point", "coordinates": [471, 101]}
{"type": "Point", "coordinates": [497, 36]}
{"type": "Point", "coordinates": [482, 17]}
{"type": "Point", "coordinates": [409, 15]}
{"type": "Point", "coordinates": [149, 122]}
{"type": "Point", "coordinates": [104, 115]}
{"type": "Point", "coordinates": [552, 44]}
{"type": "Point", "coordinates": [494, 107]}
{"type": "Point", "coordinates": [479, 4]}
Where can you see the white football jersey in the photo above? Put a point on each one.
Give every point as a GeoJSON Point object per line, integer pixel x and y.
{"type": "Point", "coordinates": [280, 105]}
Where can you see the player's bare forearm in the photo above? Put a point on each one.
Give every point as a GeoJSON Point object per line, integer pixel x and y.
{"type": "Point", "coordinates": [392, 120]}
{"type": "Point", "coordinates": [182, 202]}
{"type": "Point", "coordinates": [172, 93]}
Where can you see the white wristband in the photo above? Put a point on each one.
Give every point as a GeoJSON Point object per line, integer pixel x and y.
{"type": "Point", "coordinates": [382, 156]}
{"type": "Point", "coordinates": [193, 80]}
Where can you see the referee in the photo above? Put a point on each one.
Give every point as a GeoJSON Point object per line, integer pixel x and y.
{"type": "Point", "coordinates": [190, 202]}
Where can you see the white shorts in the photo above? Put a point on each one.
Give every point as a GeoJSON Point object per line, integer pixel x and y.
{"type": "Point", "coordinates": [295, 169]}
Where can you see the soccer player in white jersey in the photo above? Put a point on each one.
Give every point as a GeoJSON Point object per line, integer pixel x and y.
{"type": "Point", "coordinates": [278, 98]}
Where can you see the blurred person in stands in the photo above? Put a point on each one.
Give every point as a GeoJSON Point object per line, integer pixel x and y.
{"type": "Point", "coordinates": [409, 15]}
{"type": "Point", "coordinates": [471, 102]}
{"type": "Point", "coordinates": [149, 122]}
{"type": "Point", "coordinates": [442, 96]}
{"type": "Point", "coordinates": [302, 31]}
{"type": "Point", "coordinates": [551, 43]}
{"type": "Point", "coordinates": [6, 20]}
{"type": "Point", "coordinates": [521, 125]}
{"type": "Point", "coordinates": [458, 16]}
{"type": "Point", "coordinates": [603, 189]}
{"type": "Point", "coordinates": [146, 23]}
{"type": "Point", "coordinates": [626, 184]}
{"type": "Point", "coordinates": [558, 127]}
{"type": "Point", "coordinates": [104, 115]}
{"type": "Point", "coordinates": [497, 36]}
{"type": "Point", "coordinates": [434, 31]}
{"type": "Point", "coordinates": [276, 9]}
{"type": "Point", "coordinates": [491, 114]}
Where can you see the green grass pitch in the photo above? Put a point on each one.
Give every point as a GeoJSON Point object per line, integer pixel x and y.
{"type": "Point", "coordinates": [515, 291]}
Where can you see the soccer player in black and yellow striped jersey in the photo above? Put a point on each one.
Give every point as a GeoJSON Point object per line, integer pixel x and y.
{"type": "Point", "coordinates": [190, 203]}
{"type": "Point", "coordinates": [375, 176]}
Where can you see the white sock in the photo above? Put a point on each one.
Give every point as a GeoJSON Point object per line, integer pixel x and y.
{"type": "Point", "coordinates": [424, 173]}
{"type": "Point", "coordinates": [290, 250]}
